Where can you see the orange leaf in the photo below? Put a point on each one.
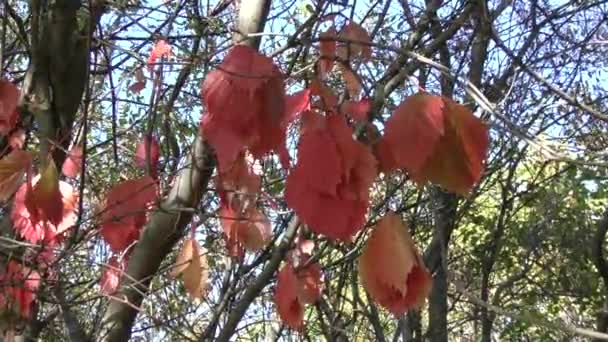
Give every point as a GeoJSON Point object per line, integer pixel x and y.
{"type": "Point", "coordinates": [437, 140]}
{"type": "Point", "coordinates": [12, 168]}
{"type": "Point", "coordinates": [359, 45]}
{"type": "Point", "coordinates": [160, 49]}
{"type": "Point", "coordinates": [327, 49]}
{"type": "Point", "coordinates": [195, 275]}
{"type": "Point", "coordinates": [391, 268]}
{"type": "Point", "coordinates": [353, 85]}
{"type": "Point", "coordinates": [73, 163]}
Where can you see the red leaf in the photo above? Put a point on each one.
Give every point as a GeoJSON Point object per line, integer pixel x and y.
{"type": "Point", "coordinates": [240, 184]}
{"type": "Point", "coordinates": [140, 152]}
{"type": "Point", "coordinates": [391, 268]}
{"type": "Point", "coordinates": [333, 175]}
{"type": "Point", "coordinates": [310, 284]}
{"type": "Point", "coordinates": [160, 49]}
{"type": "Point", "coordinates": [140, 83]}
{"type": "Point", "coordinates": [9, 98]}
{"type": "Point", "coordinates": [33, 226]}
{"type": "Point", "coordinates": [73, 163]}
{"type": "Point", "coordinates": [111, 275]}
{"type": "Point", "coordinates": [358, 110]}
{"type": "Point", "coordinates": [19, 284]}
{"type": "Point", "coordinates": [44, 199]}
{"type": "Point", "coordinates": [289, 307]}
{"type": "Point", "coordinates": [327, 49]}
{"type": "Point", "coordinates": [245, 102]}
{"type": "Point", "coordinates": [445, 143]}
{"type": "Point", "coordinates": [125, 215]}
{"type": "Point", "coordinates": [248, 231]}
{"type": "Point", "coordinates": [12, 169]}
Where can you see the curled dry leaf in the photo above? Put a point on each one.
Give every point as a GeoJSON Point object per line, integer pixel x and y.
{"type": "Point", "coordinates": [436, 140]}
{"type": "Point", "coordinates": [192, 264]}
{"type": "Point", "coordinates": [391, 269]}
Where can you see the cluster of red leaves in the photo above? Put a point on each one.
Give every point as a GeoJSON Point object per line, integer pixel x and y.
{"type": "Point", "coordinates": [333, 175]}
{"type": "Point", "coordinates": [245, 103]}
{"type": "Point", "coordinates": [391, 269]}
{"type": "Point", "coordinates": [436, 140]}
{"type": "Point", "coordinates": [245, 226]}
{"type": "Point", "coordinates": [298, 283]}
{"type": "Point", "coordinates": [18, 285]}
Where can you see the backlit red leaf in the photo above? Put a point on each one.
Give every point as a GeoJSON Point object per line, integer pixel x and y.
{"type": "Point", "coordinates": [245, 103]}
{"type": "Point", "coordinates": [73, 163]}
{"type": "Point", "coordinates": [19, 285]}
{"type": "Point", "coordinates": [111, 275]}
{"type": "Point", "coordinates": [161, 49]}
{"type": "Point", "coordinates": [141, 150]}
{"type": "Point", "coordinates": [43, 200]}
{"type": "Point", "coordinates": [329, 186]}
{"type": "Point", "coordinates": [34, 226]}
{"type": "Point", "coordinates": [358, 110]}
{"type": "Point", "coordinates": [310, 284]}
{"type": "Point", "coordinates": [125, 211]}
{"type": "Point", "coordinates": [289, 307]}
{"type": "Point", "coordinates": [391, 268]}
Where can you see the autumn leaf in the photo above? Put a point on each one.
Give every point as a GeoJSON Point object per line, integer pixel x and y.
{"type": "Point", "coordinates": [353, 85]}
{"type": "Point", "coordinates": [161, 49]}
{"type": "Point", "coordinates": [17, 139]}
{"type": "Point", "coordinates": [35, 227]}
{"type": "Point", "coordinates": [140, 153]}
{"type": "Point", "coordinates": [125, 211]}
{"type": "Point", "coordinates": [327, 49]}
{"type": "Point", "coordinates": [437, 140]}
{"type": "Point", "coordinates": [333, 175]}
{"type": "Point", "coordinates": [359, 45]}
{"type": "Point", "coordinates": [391, 269]}
{"type": "Point", "coordinates": [19, 285]}
{"type": "Point", "coordinates": [9, 98]}
{"type": "Point", "coordinates": [43, 200]}
{"type": "Point", "coordinates": [245, 102]}
{"type": "Point", "coordinates": [310, 284]}
{"type": "Point", "coordinates": [289, 306]}
{"type": "Point", "coordinates": [246, 231]}
{"type": "Point", "coordinates": [358, 110]}
{"type": "Point", "coordinates": [12, 169]}
{"type": "Point", "coordinates": [73, 163]}
{"type": "Point", "coordinates": [140, 80]}
{"type": "Point", "coordinates": [191, 263]}
{"type": "Point", "coordinates": [111, 275]}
